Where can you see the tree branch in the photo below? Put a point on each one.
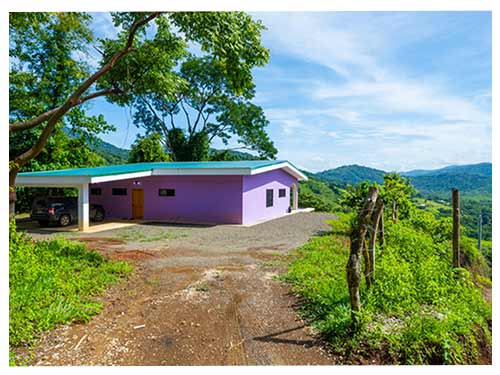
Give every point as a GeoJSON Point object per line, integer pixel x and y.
{"type": "Point", "coordinates": [187, 117]}
{"type": "Point", "coordinates": [154, 112]}
{"type": "Point", "coordinates": [74, 99]}
{"type": "Point", "coordinates": [24, 125]}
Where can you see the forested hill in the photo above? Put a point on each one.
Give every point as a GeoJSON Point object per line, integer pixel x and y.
{"type": "Point", "coordinates": [481, 169]}
{"type": "Point", "coordinates": [351, 174]}
{"type": "Point", "coordinates": [472, 179]}
{"type": "Point", "coordinates": [111, 153]}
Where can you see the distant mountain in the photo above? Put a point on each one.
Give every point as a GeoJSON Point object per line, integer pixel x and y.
{"type": "Point", "coordinates": [111, 153]}
{"type": "Point", "coordinates": [440, 185]}
{"type": "Point", "coordinates": [223, 155]}
{"type": "Point", "coordinates": [481, 169]}
{"type": "Point", "coordinates": [351, 174]}
{"type": "Point", "coordinates": [471, 180]}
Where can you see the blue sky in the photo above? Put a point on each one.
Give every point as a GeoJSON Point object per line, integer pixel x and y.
{"type": "Point", "coordinates": [389, 90]}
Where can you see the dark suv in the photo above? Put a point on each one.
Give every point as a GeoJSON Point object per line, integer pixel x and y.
{"type": "Point", "coordinates": [62, 210]}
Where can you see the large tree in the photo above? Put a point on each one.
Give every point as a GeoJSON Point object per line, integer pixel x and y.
{"type": "Point", "coordinates": [207, 106]}
{"type": "Point", "coordinates": [142, 62]}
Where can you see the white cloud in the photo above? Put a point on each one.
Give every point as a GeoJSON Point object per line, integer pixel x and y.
{"type": "Point", "coordinates": [406, 96]}
{"type": "Point", "coordinates": [376, 112]}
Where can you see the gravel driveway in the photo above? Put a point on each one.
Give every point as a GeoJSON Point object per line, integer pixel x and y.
{"type": "Point", "coordinates": [198, 296]}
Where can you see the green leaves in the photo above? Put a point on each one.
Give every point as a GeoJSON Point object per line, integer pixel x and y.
{"type": "Point", "coordinates": [53, 282]}
{"type": "Point", "coordinates": [233, 38]}
{"type": "Point", "coordinates": [147, 149]}
{"type": "Point", "coordinates": [149, 68]}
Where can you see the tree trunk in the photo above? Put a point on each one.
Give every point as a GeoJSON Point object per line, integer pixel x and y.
{"type": "Point", "coordinates": [12, 192]}
{"type": "Point", "coordinates": [358, 235]}
{"type": "Point", "coordinates": [394, 211]}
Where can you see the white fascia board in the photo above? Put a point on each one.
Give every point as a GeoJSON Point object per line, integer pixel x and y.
{"type": "Point", "coordinates": [116, 177]}
{"type": "Point", "coordinates": [52, 181]}
{"type": "Point", "coordinates": [201, 171]}
{"type": "Point", "coordinates": [286, 166]}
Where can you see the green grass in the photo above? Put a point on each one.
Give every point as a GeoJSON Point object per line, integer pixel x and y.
{"type": "Point", "coordinates": [54, 282]}
{"type": "Point", "coordinates": [419, 311]}
{"type": "Point", "coordinates": [137, 235]}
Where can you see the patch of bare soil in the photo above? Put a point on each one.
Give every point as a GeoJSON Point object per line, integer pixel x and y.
{"type": "Point", "coordinates": [189, 307]}
{"type": "Point", "coordinates": [130, 255]}
{"type": "Point", "coordinates": [185, 316]}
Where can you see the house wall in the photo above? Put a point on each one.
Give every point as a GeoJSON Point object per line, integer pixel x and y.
{"type": "Point", "coordinates": [254, 195]}
{"type": "Point", "coordinates": [202, 199]}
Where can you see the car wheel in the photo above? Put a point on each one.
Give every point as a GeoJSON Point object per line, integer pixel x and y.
{"type": "Point", "coordinates": [43, 223]}
{"type": "Point", "coordinates": [65, 220]}
{"type": "Point", "coordinates": [99, 215]}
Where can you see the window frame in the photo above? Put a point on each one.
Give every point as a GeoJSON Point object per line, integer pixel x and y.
{"type": "Point", "coordinates": [282, 191]}
{"type": "Point", "coordinates": [114, 192]}
{"type": "Point", "coordinates": [169, 192]}
{"type": "Point", "coordinates": [94, 190]}
{"type": "Point", "coordinates": [269, 202]}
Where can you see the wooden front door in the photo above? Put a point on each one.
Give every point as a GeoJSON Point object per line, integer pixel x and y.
{"type": "Point", "coordinates": [137, 203]}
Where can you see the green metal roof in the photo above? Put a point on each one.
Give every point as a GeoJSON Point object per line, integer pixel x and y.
{"type": "Point", "coordinates": [110, 170]}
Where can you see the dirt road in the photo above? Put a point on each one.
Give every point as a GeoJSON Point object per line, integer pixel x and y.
{"type": "Point", "coordinates": [199, 296]}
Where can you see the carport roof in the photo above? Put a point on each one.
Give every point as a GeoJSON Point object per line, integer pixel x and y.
{"type": "Point", "coordinates": [106, 173]}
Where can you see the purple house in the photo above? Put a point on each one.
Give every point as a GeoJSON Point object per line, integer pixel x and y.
{"type": "Point", "coordinates": [232, 192]}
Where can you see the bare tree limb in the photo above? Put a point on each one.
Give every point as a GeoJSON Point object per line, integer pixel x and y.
{"type": "Point", "coordinates": [187, 118]}
{"type": "Point", "coordinates": [148, 104]}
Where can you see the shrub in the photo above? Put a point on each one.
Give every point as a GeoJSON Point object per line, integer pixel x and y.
{"type": "Point", "coordinates": [420, 310]}
{"type": "Point", "coordinates": [53, 282]}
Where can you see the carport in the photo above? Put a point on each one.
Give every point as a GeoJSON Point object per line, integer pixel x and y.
{"type": "Point", "coordinates": [80, 179]}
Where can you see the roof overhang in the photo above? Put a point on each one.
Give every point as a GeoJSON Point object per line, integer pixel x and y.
{"type": "Point", "coordinates": [290, 169]}
{"type": "Point", "coordinates": [76, 181]}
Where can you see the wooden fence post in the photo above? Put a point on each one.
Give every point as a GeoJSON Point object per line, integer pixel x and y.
{"type": "Point", "coordinates": [358, 235]}
{"type": "Point", "coordinates": [376, 220]}
{"type": "Point", "coordinates": [456, 227]}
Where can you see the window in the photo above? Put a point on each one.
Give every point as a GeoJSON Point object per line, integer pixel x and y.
{"type": "Point", "coordinates": [269, 197]}
{"type": "Point", "coordinates": [166, 192]}
{"type": "Point", "coordinates": [119, 191]}
{"type": "Point", "coordinates": [95, 191]}
{"type": "Point", "coordinates": [282, 193]}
